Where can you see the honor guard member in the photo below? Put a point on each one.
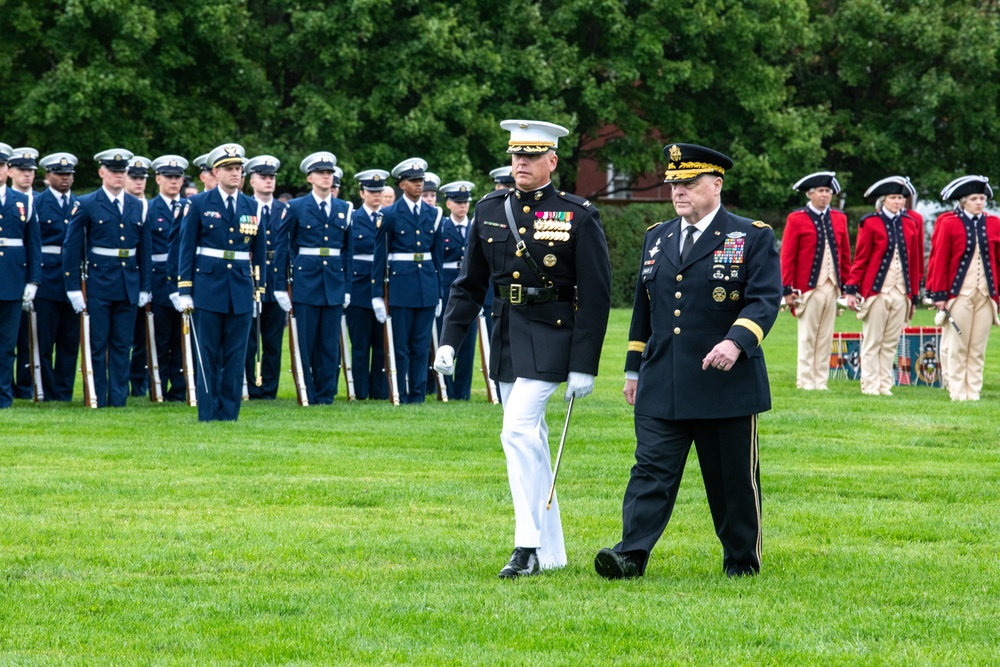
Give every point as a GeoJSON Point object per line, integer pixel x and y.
{"type": "Point", "coordinates": [962, 282]}
{"type": "Point", "coordinates": [20, 270]}
{"type": "Point", "coordinates": [367, 335]}
{"type": "Point", "coordinates": [58, 325]}
{"type": "Point", "coordinates": [338, 175]}
{"type": "Point", "coordinates": [164, 220]}
{"type": "Point", "coordinates": [408, 251]}
{"type": "Point", "coordinates": [106, 231]}
{"type": "Point", "coordinates": [707, 293]}
{"type": "Point", "coordinates": [502, 178]}
{"type": "Point", "coordinates": [205, 173]}
{"type": "Point", "coordinates": [319, 250]}
{"type": "Point", "coordinates": [431, 184]}
{"type": "Point", "coordinates": [815, 258]}
{"type": "Point", "coordinates": [545, 252]}
{"type": "Point", "coordinates": [455, 233]}
{"type": "Point", "coordinates": [887, 269]}
{"type": "Point", "coordinates": [23, 165]}
{"type": "Point", "coordinates": [135, 184]}
{"type": "Point", "coordinates": [262, 170]}
{"type": "Point", "coordinates": [221, 249]}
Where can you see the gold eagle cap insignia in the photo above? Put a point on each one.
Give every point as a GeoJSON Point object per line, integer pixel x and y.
{"type": "Point", "coordinates": [675, 153]}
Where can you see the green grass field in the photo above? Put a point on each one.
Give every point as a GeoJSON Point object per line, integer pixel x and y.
{"type": "Point", "coordinates": [372, 535]}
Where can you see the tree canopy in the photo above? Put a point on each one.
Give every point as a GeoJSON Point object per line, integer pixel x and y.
{"type": "Point", "coordinates": [864, 87]}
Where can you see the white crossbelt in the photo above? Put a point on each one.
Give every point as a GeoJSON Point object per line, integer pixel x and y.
{"type": "Point", "coordinates": [52, 249]}
{"type": "Point", "coordinates": [114, 252]}
{"type": "Point", "coordinates": [450, 265]}
{"type": "Point", "coordinates": [159, 257]}
{"type": "Point", "coordinates": [10, 243]}
{"type": "Point", "coordinates": [223, 254]}
{"type": "Point", "coordinates": [321, 252]}
{"type": "Point", "coordinates": [409, 257]}
{"type": "Point", "coordinates": [364, 258]}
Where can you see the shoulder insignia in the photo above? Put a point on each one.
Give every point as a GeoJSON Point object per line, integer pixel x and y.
{"type": "Point", "coordinates": [761, 225]}
{"type": "Point", "coordinates": [574, 198]}
{"type": "Point", "coordinates": [495, 193]}
{"type": "Point", "coordinates": [655, 224]}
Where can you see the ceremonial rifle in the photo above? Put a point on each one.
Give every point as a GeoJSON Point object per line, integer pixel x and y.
{"type": "Point", "coordinates": [442, 387]}
{"type": "Point", "coordinates": [298, 372]}
{"type": "Point", "coordinates": [345, 358]}
{"type": "Point", "coordinates": [155, 388]}
{"type": "Point", "coordinates": [390, 347]}
{"type": "Point", "coordinates": [190, 390]}
{"type": "Point", "coordinates": [86, 367]}
{"type": "Point", "coordinates": [38, 393]}
{"type": "Point", "coordinates": [484, 359]}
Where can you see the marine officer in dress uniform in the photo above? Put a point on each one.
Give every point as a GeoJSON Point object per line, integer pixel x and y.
{"type": "Point", "coordinates": [408, 251]}
{"type": "Point", "coordinates": [815, 258]}
{"type": "Point", "coordinates": [20, 270]}
{"type": "Point", "coordinates": [431, 184]}
{"type": "Point", "coordinates": [888, 266]}
{"type": "Point", "coordinates": [502, 178]}
{"type": "Point", "coordinates": [707, 293]}
{"type": "Point", "coordinates": [107, 230]}
{"type": "Point", "coordinates": [164, 220]}
{"type": "Point", "coordinates": [545, 252]}
{"type": "Point", "coordinates": [221, 250]}
{"type": "Point", "coordinates": [58, 325]}
{"type": "Point", "coordinates": [262, 170]}
{"type": "Point", "coordinates": [23, 166]}
{"type": "Point", "coordinates": [367, 335]}
{"type": "Point", "coordinates": [135, 184]}
{"type": "Point", "coordinates": [962, 282]}
{"type": "Point", "coordinates": [319, 251]}
{"type": "Point", "coordinates": [455, 233]}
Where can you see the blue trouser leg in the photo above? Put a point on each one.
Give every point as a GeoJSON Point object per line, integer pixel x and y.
{"type": "Point", "coordinates": [22, 371]}
{"type": "Point", "coordinates": [222, 340]}
{"type": "Point", "coordinates": [58, 330]}
{"type": "Point", "coordinates": [460, 387]}
{"type": "Point", "coordinates": [169, 355]}
{"type": "Point", "coordinates": [321, 349]}
{"type": "Point", "coordinates": [112, 327]}
{"type": "Point", "coordinates": [272, 328]}
{"type": "Point", "coordinates": [416, 341]}
{"type": "Point", "coordinates": [10, 320]}
{"type": "Point", "coordinates": [138, 369]}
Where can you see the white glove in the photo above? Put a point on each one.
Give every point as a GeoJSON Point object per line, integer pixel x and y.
{"type": "Point", "coordinates": [76, 300]}
{"type": "Point", "coordinates": [30, 290]}
{"type": "Point", "coordinates": [579, 385]}
{"type": "Point", "coordinates": [378, 305]}
{"type": "Point", "coordinates": [437, 309]}
{"type": "Point", "coordinates": [174, 296]}
{"type": "Point", "coordinates": [347, 299]}
{"type": "Point", "coordinates": [939, 318]}
{"type": "Point", "coordinates": [444, 362]}
{"type": "Point", "coordinates": [144, 298]}
{"type": "Point", "coordinates": [283, 300]}
{"type": "Point", "coordinates": [184, 303]}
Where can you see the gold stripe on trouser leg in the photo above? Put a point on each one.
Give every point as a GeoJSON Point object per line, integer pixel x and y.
{"type": "Point", "coordinates": [754, 469]}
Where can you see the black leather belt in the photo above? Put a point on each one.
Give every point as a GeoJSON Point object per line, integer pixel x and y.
{"type": "Point", "coordinates": [518, 294]}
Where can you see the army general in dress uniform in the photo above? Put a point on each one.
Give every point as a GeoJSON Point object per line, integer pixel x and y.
{"type": "Point", "coordinates": [316, 232]}
{"type": "Point", "coordinates": [107, 230]}
{"type": "Point", "coordinates": [707, 293]}
{"type": "Point", "coordinates": [545, 252]}
{"type": "Point", "coordinates": [20, 270]}
{"type": "Point", "coordinates": [221, 249]}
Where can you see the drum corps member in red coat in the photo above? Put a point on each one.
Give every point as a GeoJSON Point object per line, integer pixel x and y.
{"type": "Point", "coordinates": [961, 280]}
{"type": "Point", "coordinates": [815, 257]}
{"type": "Point", "coordinates": [888, 266]}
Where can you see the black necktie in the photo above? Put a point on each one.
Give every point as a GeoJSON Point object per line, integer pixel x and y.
{"type": "Point", "coordinates": [118, 205]}
{"type": "Point", "coordinates": [416, 210]}
{"type": "Point", "coordinates": [688, 241]}
{"type": "Point", "coordinates": [267, 212]}
{"type": "Point", "coordinates": [230, 207]}
{"type": "Point", "coordinates": [65, 202]}
{"type": "Point", "coordinates": [174, 205]}
{"type": "Point", "coordinates": [322, 208]}
{"type": "Point", "coordinates": [374, 217]}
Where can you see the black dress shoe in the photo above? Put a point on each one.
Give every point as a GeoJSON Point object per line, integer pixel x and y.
{"type": "Point", "coordinates": [523, 563]}
{"type": "Point", "coordinates": [612, 565]}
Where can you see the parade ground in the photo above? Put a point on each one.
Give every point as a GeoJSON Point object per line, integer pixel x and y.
{"type": "Point", "coordinates": [367, 534]}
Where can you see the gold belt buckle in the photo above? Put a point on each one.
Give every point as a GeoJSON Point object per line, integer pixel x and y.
{"type": "Point", "coordinates": [515, 295]}
{"type": "Point", "coordinates": [123, 253]}
{"type": "Point", "coordinates": [418, 257]}
{"type": "Point", "coordinates": [324, 252]}
{"type": "Point", "coordinates": [228, 254]}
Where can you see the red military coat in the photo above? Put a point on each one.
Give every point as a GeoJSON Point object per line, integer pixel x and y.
{"type": "Point", "coordinates": [801, 255]}
{"type": "Point", "coordinates": [873, 255]}
{"type": "Point", "coordinates": [951, 253]}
